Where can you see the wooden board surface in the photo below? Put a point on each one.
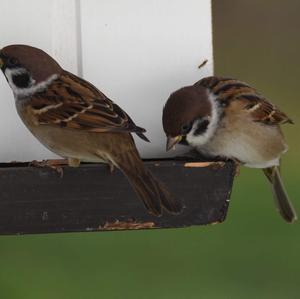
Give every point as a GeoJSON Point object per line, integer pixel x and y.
{"type": "Point", "coordinates": [90, 198]}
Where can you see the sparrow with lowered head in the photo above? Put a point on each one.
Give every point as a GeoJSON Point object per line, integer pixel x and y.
{"type": "Point", "coordinates": [224, 117]}
{"type": "Point", "coordinates": [75, 120]}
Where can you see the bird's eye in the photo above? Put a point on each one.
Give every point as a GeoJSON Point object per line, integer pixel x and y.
{"type": "Point", "coordinates": [12, 61]}
{"type": "Point", "coordinates": [186, 128]}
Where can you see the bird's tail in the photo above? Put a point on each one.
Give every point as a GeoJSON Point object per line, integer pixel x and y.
{"type": "Point", "coordinates": [151, 191]}
{"type": "Point", "coordinates": [282, 201]}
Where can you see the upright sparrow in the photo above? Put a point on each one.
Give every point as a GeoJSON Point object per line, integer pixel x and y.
{"type": "Point", "coordinates": [224, 117]}
{"type": "Point", "coordinates": [75, 120]}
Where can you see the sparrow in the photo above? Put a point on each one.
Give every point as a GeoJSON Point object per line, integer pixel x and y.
{"type": "Point", "coordinates": [226, 118]}
{"type": "Point", "coordinates": [75, 120]}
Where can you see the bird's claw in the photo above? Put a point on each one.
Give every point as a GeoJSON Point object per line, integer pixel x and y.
{"type": "Point", "coordinates": [53, 164]}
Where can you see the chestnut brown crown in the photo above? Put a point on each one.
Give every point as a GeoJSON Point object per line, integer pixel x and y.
{"type": "Point", "coordinates": [183, 107]}
{"type": "Point", "coordinates": [37, 62]}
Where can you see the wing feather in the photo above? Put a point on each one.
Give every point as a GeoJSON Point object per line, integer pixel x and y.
{"type": "Point", "coordinates": [74, 103]}
{"type": "Point", "coordinates": [228, 90]}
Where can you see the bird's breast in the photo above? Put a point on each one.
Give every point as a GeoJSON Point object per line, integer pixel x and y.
{"type": "Point", "coordinates": [73, 143]}
{"type": "Point", "coordinates": [254, 144]}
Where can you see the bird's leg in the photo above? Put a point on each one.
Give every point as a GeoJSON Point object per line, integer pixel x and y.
{"type": "Point", "coordinates": [55, 164]}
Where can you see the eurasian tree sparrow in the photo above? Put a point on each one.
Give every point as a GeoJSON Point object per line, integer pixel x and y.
{"type": "Point", "coordinates": [75, 120]}
{"type": "Point", "coordinates": [224, 117]}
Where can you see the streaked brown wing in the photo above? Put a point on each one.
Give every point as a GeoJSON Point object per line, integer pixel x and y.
{"type": "Point", "coordinates": [74, 103]}
{"type": "Point", "coordinates": [263, 111]}
{"type": "Point", "coordinates": [228, 90]}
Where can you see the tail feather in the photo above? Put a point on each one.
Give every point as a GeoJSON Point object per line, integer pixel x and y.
{"type": "Point", "coordinates": [152, 192]}
{"type": "Point", "coordinates": [168, 201]}
{"type": "Point", "coordinates": [282, 201]}
{"type": "Point", "coordinates": [146, 191]}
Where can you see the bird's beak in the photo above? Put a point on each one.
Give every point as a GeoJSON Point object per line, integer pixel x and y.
{"type": "Point", "coordinates": [172, 141]}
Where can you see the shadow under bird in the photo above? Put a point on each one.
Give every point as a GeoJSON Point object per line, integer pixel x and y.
{"type": "Point", "coordinates": [75, 120]}
{"type": "Point", "coordinates": [226, 118]}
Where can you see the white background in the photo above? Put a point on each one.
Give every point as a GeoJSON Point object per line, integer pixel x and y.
{"type": "Point", "coordinates": [136, 52]}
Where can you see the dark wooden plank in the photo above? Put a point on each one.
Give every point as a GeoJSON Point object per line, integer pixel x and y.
{"type": "Point", "coordinates": [90, 198]}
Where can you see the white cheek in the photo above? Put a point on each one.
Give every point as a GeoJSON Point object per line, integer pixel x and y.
{"type": "Point", "coordinates": [9, 73]}
{"type": "Point", "coordinates": [33, 87]}
{"type": "Point", "coordinates": [198, 140]}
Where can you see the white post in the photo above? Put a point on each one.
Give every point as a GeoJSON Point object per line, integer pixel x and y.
{"type": "Point", "coordinates": [66, 34]}
{"type": "Point", "coordinates": [136, 52]}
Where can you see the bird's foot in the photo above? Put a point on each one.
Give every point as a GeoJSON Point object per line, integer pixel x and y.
{"type": "Point", "coordinates": [55, 164]}
{"type": "Point", "coordinates": [236, 162]}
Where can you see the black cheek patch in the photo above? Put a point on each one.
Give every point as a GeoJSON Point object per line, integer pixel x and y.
{"type": "Point", "coordinates": [21, 80]}
{"type": "Point", "coordinates": [201, 127]}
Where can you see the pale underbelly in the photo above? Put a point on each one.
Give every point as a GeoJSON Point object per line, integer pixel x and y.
{"type": "Point", "coordinates": [247, 150]}
{"type": "Point", "coordinates": [72, 144]}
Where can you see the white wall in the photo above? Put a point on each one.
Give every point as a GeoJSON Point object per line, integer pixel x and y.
{"type": "Point", "coordinates": [136, 52]}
